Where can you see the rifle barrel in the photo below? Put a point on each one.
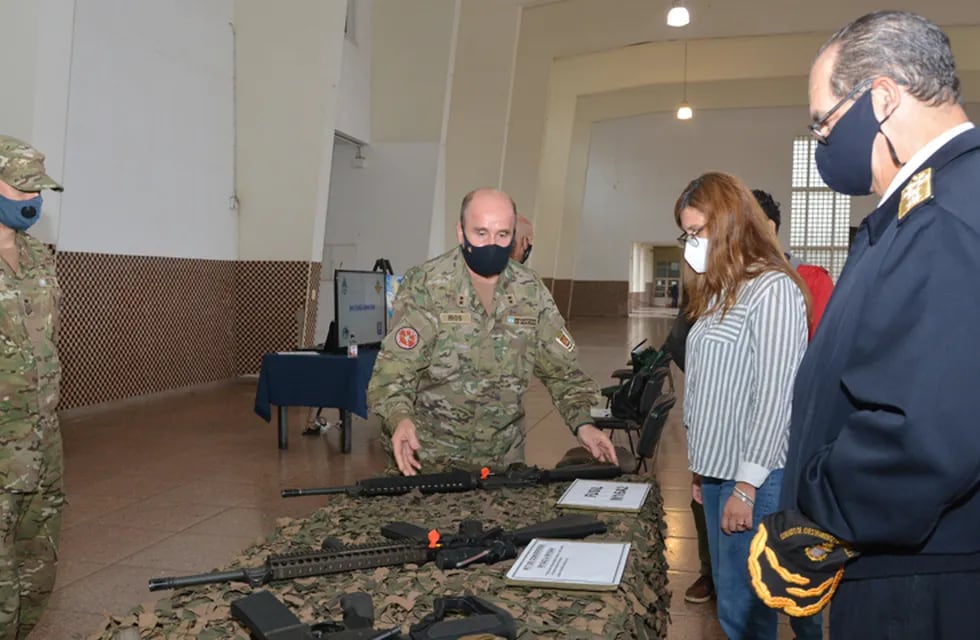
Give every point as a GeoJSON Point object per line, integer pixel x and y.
{"type": "Point", "coordinates": [318, 491]}
{"type": "Point", "coordinates": [159, 584]}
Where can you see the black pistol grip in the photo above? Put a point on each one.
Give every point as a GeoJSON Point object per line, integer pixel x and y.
{"type": "Point", "coordinates": [358, 610]}
{"type": "Point", "coordinates": [480, 616]}
{"type": "Point", "coordinates": [267, 618]}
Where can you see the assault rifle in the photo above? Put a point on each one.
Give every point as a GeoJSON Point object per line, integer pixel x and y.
{"type": "Point", "coordinates": [458, 480]}
{"type": "Point", "coordinates": [267, 618]}
{"type": "Point", "coordinates": [410, 545]}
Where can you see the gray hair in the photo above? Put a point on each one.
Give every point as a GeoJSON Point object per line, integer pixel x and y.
{"type": "Point", "coordinates": [900, 45]}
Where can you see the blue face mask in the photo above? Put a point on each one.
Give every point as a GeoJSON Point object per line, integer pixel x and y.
{"type": "Point", "coordinates": [844, 162]}
{"type": "Point", "coordinates": [488, 260]}
{"type": "Point", "coordinates": [19, 214]}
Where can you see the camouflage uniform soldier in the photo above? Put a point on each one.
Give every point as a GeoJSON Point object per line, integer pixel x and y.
{"type": "Point", "coordinates": [30, 455]}
{"type": "Point", "coordinates": [523, 240]}
{"type": "Point", "coordinates": [470, 328]}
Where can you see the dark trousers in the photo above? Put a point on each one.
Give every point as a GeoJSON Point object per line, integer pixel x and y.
{"type": "Point", "coordinates": [942, 606]}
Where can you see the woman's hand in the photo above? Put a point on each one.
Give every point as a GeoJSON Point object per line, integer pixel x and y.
{"type": "Point", "coordinates": [737, 515]}
{"type": "Point", "coordinates": [696, 494]}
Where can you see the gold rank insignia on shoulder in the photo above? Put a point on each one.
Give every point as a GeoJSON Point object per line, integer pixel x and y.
{"type": "Point", "coordinates": [565, 340]}
{"type": "Point", "coordinates": [916, 191]}
{"type": "Point", "coordinates": [456, 318]}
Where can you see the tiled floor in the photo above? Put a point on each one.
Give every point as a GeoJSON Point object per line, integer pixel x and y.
{"type": "Point", "coordinates": [180, 485]}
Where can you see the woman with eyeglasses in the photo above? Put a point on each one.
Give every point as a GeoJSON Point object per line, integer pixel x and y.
{"type": "Point", "coordinates": [750, 310]}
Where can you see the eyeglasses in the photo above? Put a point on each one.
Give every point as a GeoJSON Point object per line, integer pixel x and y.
{"type": "Point", "coordinates": [690, 238]}
{"type": "Point", "coordinates": [817, 125]}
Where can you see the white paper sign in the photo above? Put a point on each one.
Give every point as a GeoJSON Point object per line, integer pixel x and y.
{"type": "Point", "coordinates": [566, 564]}
{"type": "Point", "coordinates": [605, 495]}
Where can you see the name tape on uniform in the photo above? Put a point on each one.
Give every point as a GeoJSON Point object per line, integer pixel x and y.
{"type": "Point", "coordinates": [459, 317]}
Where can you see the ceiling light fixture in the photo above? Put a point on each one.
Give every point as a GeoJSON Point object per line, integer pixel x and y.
{"type": "Point", "coordinates": [678, 16]}
{"type": "Point", "coordinates": [685, 111]}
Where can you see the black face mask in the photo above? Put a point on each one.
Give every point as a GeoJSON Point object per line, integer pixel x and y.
{"type": "Point", "coordinates": [527, 254]}
{"type": "Point", "coordinates": [489, 260]}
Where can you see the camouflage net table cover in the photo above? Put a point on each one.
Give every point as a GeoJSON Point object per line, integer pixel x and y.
{"type": "Point", "coordinates": [402, 595]}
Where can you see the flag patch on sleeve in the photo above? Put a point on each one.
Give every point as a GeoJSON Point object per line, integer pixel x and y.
{"type": "Point", "coordinates": [565, 340]}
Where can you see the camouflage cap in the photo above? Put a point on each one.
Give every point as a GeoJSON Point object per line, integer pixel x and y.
{"type": "Point", "coordinates": [802, 566]}
{"type": "Point", "coordinates": [580, 455]}
{"type": "Point", "coordinates": [22, 166]}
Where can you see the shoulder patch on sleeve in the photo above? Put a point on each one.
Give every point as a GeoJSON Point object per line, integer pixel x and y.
{"type": "Point", "coordinates": [917, 191]}
{"type": "Point", "coordinates": [565, 340]}
{"type": "Point", "coordinates": [407, 338]}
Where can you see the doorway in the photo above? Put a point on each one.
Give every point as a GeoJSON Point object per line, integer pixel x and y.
{"type": "Point", "coordinates": [655, 283]}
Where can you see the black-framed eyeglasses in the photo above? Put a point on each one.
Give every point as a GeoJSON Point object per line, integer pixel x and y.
{"type": "Point", "coordinates": [817, 125]}
{"type": "Point", "coordinates": [689, 238]}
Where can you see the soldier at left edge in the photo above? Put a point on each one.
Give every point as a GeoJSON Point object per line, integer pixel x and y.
{"type": "Point", "coordinates": [30, 456]}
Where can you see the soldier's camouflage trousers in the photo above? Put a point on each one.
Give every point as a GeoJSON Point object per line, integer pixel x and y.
{"type": "Point", "coordinates": [30, 524]}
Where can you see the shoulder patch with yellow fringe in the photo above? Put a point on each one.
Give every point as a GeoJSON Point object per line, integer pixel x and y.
{"type": "Point", "coordinates": [794, 566]}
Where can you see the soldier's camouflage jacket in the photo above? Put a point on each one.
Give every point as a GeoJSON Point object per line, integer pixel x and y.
{"type": "Point", "coordinates": [460, 373]}
{"type": "Point", "coordinates": [30, 372]}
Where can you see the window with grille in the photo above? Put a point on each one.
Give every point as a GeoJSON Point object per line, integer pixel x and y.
{"type": "Point", "coordinates": [820, 218]}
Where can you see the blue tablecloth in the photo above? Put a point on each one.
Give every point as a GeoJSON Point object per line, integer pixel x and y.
{"type": "Point", "coordinates": [312, 379]}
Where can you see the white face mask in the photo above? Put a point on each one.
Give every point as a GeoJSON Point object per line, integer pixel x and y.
{"type": "Point", "coordinates": [697, 256]}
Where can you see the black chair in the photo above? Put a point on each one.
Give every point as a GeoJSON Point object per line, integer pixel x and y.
{"type": "Point", "coordinates": [650, 431]}
{"type": "Point", "coordinates": [641, 361]}
{"type": "Point", "coordinates": [635, 423]}
{"type": "Point", "coordinates": [633, 400]}
{"type": "Point", "coordinates": [653, 428]}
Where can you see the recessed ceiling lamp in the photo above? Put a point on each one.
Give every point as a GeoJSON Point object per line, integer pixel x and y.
{"type": "Point", "coordinates": [678, 16]}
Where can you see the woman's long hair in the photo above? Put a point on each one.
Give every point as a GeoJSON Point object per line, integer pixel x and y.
{"type": "Point", "coordinates": [741, 244]}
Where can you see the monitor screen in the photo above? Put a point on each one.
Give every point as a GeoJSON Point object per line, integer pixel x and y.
{"type": "Point", "coordinates": [360, 307]}
{"type": "Point", "coordinates": [391, 291]}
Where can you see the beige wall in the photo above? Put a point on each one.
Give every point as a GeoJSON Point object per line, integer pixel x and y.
{"type": "Point", "coordinates": [288, 68]}
{"type": "Point", "coordinates": [480, 101]}
{"type": "Point", "coordinates": [409, 66]}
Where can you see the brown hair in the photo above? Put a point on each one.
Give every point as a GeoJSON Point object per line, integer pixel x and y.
{"type": "Point", "coordinates": [742, 245]}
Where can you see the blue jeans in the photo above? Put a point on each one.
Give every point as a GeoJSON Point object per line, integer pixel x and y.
{"type": "Point", "coordinates": [743, 616]}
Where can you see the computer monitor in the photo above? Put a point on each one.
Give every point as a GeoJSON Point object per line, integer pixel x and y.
{"type": "Point", "coordinates": [360, 307]}
{"type": "Point", "coordinates": [392, 283]}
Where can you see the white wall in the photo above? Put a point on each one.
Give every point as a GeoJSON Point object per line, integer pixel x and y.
{"type": "Point", "coordinates": [35, 102]}
{"type": "Point", "coordinates": [638, 166]}
{"type": "Point", "coordinates": [149, 150]}
{"type": "Point", "coordinates": [20, 20]}
{"type": "Point", "coordinates": [354, 99]}
{"type": "Point", "coordinates": [381, 211]}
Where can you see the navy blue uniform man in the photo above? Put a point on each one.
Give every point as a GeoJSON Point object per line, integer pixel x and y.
{"type": "Point", "coordinates": [884, 449]}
